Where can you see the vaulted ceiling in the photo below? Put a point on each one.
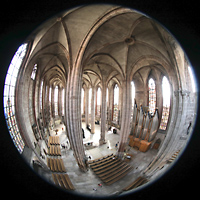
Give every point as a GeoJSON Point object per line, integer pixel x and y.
{"type": "Point", "coordinates": [124, 41]}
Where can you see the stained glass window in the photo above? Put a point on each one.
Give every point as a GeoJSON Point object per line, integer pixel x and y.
{"type": "Point", "coordinates": [133, 96]}
{"type": "Point", "coordinates": [90, 99]}
{"type": "Point", "coordinates": [152, 96]}
{"type": "Point", "coordinates": [50, 90]}
{"type": "Point", "coordinates": [107, 95]}
{"type": "Point", "coordinates": [192, 78]}
{"type": "Point", "coordinates": [98, 101]}
{"type": "Point", "coordinates": [166, 103]}
{"type": "Point", "coordinates": [63, 101]}
{"type": "Point", "coordinates": [9, 97]}
{"type": "Point", "coordinates": [34, 72]}
{"type": "Point", "coordinates": [116, 103]}
{"type": "Point", "coordinates": [56, 100]}
{"type": "Point", "coordinates": [41, 87]}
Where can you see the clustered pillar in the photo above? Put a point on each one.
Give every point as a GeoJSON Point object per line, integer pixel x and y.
{"type": "Point", "coordinates": [103, 114]}
{"type": "Point", "coordinates": [86, 106]}
{"type": "Point", "coordinates": [125, 122]}
{"type": "Point", "coordinates": [73, 119]}
{"type": "Point", "coordinates": [93, 110]}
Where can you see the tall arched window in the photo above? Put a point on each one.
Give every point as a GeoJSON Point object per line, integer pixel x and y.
{"type": "Point", "coordinates": [41, 88]}
{"type": "Point", "coordinates": [192, 79]}
{"type": "Point", "coordinates": [116, 103]}
{"type": "Point", "coordinates": [166, 103]}
{"type": "Point", "coordinates": [107, 95]}
{"type": "Point", "coordinates": [56, 100]}
{"type": "Point", "coordinates": [98, 101]}
{"type": "Point", "coordinates": [152, 95]}
{"type": "Point", "coordinates": [90, 99]}
{"type": "Point", "coordinates": [82, 101]}
{"type": "Point", "coordinates": [63, 101]}
{"type": "Point", "coordinates": [33, 74]}
{"type": "Point", "coordinates": [9, 96]}
{"type": "Point", "coordinates": [133, 96]}
{"type": "Point", "coordinates": [50, 90]}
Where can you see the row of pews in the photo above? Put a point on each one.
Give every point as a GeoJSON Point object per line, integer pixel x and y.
{"type": "Point", "coordinates": [63, 180]}
{"type": "Point", "coordinates": [110, 168]}
{"type": "Point", "coordinates": [53, 140]}
{"type": "Point", "coordinates": [173, 157]}
{"type": "Point", "coordinates": [54, 150]}
{"type": "Point", "coordinates": [56, 165]}
{"type": "Point", "coordinates": [138, 182]}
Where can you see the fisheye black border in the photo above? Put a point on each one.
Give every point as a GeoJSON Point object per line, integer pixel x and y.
{"type": "Point", "coordinates": [19, 19]}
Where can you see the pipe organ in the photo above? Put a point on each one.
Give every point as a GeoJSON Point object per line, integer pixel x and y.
{"type": "Point", "coordinates": [144, 128]}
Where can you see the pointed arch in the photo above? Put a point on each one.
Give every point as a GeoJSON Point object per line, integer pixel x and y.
{"type": "Point", "coordinates": [166, 93]}
{"type": "Point", "coordinates": [152, 95]}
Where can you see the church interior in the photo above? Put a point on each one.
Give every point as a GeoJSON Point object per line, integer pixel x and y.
{"type": "Point", "coordinates": [100, 100]}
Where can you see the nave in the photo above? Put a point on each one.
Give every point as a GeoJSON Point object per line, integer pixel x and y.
{"type": "Point", "coordinates": [119, 68]}
{"type": "Point", "coordinates": [88, 183]}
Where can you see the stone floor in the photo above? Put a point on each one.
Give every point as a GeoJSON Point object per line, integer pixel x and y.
{"type": "Point", "coordinates": [85, 183]}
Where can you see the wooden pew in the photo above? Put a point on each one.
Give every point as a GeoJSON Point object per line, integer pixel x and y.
{"type": "Point", "coordinates": [63, 181]}
{"type": "Point", "coordinates": [118, 176]}
{"type": "Point", "coordinates": [60, 180]}
{"type": "Point", "coordinates": [71, 187]}
{"type": "Point", "coordinates": [117, 166]}
{"type": "Point", "coordinates": [114, 172]}
{"type": "Point", "coordinates": [51, 165]}
{"type": "Point", "coordinates": [99, 159]}
{"type": "Point", "coordinates": [62, 165]}
{"type": "Point", "coordinates": [103, 163]}
{"type": "Point", "coordinates": [105, 166]}
{"type": "Point", "coordinates": [55, 179]}
{"type": "Point", "coordinates": [55, 165]}
{"type": "Point", "coordinates": [138, 182]}
{"type": "Point", "coordinates": [102, 160]}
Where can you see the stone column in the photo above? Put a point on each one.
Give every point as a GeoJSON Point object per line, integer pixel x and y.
{"type": "Point", "coordinates": [60, 101]}
{"type": "Point", "coordinates": [111, 101]}
{"type": "Point", "coordinates": [93, 109]}
{"type": "Point", "coordinates": [159, 98]}
{"type": "Point", "coordinates": [126, 116]}
{"type": "Point", "coordinates": [120, 105]}
{"type": "Point", "coordinates": [103, 113]}
{"type": "Point", "coordinates": [73, 118]}
{"type": "Point", "coordinates": [52, 102]}
{"type": "Point", "coordinates": [86, 94]}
